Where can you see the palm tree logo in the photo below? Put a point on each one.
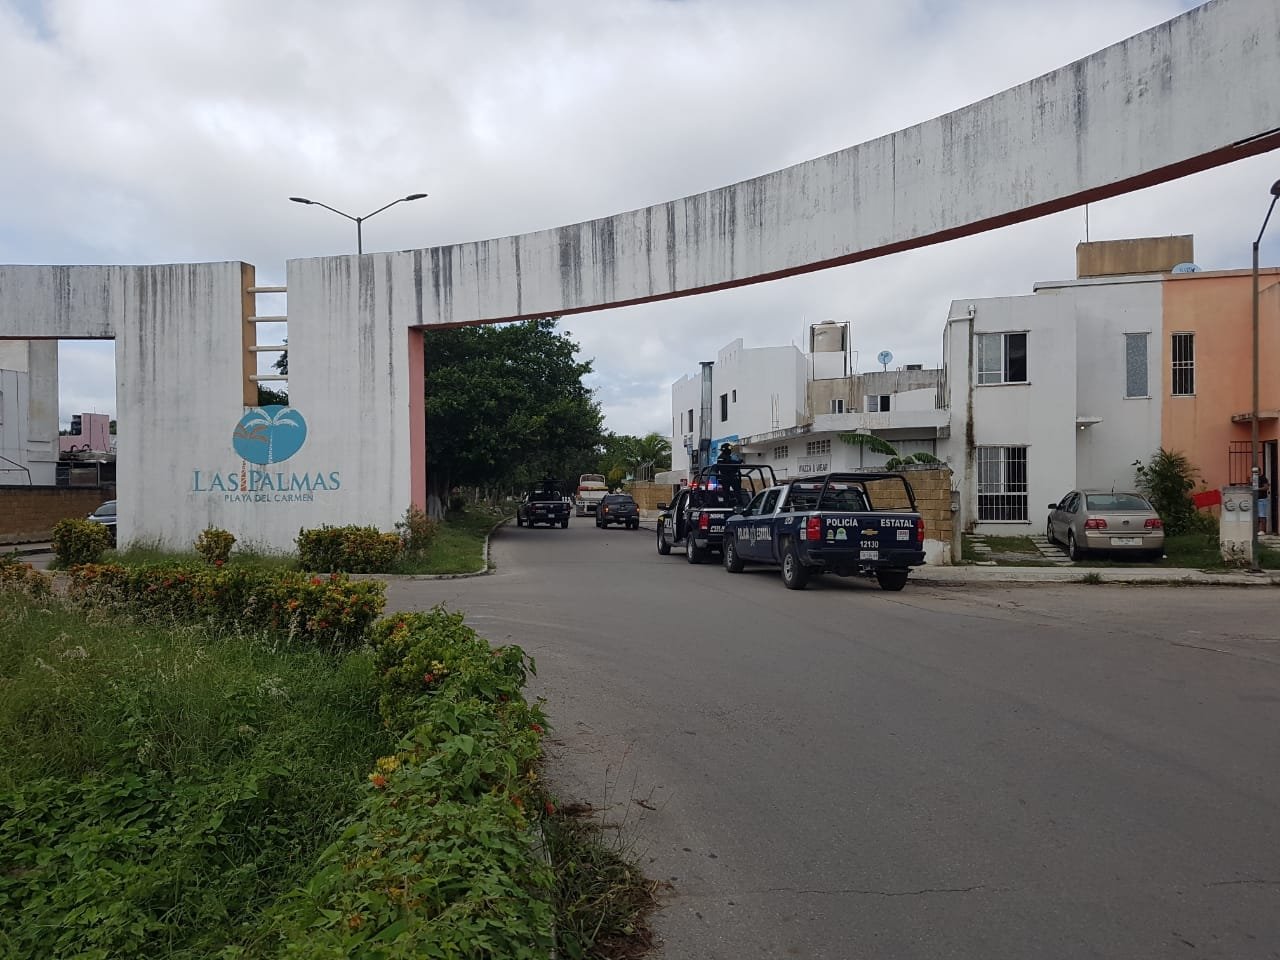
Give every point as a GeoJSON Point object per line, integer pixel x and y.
{"type": "Point", "coordinates": [269, 434]}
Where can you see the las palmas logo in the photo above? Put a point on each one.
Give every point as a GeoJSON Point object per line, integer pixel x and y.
{"type": "Point", "coordinates": [269, 434]}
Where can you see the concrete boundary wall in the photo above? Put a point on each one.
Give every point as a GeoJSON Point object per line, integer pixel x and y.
{"type": "Point", "coordinates": [1187, 95]}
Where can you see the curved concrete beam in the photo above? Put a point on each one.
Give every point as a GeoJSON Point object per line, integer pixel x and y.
{"type": "Point", "coordinates": [1192, 93]}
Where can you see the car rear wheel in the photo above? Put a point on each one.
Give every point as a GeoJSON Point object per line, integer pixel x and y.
{"type": "Point", "coordinates": [732, 562]}
{"type": "Point", "coordinates": [795, 575]}
{"type": "Point", "coordinates": [664, 545]}
{"type": "Point", "coordinates": [1073, 548]}
{"type": "Point", "coordinates": [891, 579]}
{"type": "Point", "coordinates": [1048, 532]}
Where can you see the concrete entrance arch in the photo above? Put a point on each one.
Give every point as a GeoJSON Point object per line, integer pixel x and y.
{"type": "Point", "coordinates": [1190, 94]}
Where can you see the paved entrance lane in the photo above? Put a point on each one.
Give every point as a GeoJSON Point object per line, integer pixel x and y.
{"type": "Point", "coordinates": [1052, 772]}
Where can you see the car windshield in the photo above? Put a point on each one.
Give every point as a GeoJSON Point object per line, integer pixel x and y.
{"type": "Point", "coordinates": [1116, 501]}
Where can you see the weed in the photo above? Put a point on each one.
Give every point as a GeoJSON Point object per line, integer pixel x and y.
{"type": "Point", "coordinates": [1091, 577]}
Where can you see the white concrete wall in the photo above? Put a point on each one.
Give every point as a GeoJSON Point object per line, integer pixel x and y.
{"type": "Point", "coordinates": [28, 412]}
{"type": "Point", "coordinates": [1039, 414]}
{"type": "Point", "coordinates": [1130, 427]}
{"type": "Point", "coordinates": [759, 376]}
{"type": "Point", "coordinates": [686, 395]}
{"type": "Point", "coordinates": [1191, 93]}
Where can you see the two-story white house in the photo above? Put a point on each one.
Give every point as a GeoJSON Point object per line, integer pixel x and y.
{"type": "Point", "coordinates": [1057, 390]}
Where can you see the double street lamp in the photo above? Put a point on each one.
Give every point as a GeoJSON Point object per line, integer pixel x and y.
{"type": "Point", "coordinates": [1253, 445]}
{"type": "Point", "coordinates": [358, 220]}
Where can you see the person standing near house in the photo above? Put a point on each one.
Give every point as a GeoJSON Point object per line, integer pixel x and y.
{"type": "Point", "coordinates": [1264, 503]}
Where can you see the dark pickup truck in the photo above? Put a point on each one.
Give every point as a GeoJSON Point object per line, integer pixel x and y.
{"type": "Point", "coordinates": [695, 519]}
{"type": "Point", "coordinates": [543, 503]}
{"type": "Point", "coordinates": [849, 524]}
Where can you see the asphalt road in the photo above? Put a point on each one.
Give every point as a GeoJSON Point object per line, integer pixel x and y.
{"type": "Point", "coordinates": [1027, 772]}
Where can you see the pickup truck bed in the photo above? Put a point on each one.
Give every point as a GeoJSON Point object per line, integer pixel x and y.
{"type": "Point", "coordinates": [849, 524]}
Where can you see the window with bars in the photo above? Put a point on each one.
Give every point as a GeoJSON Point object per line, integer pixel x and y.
{"type": "Point", "coordinates": [781, 453]}
{"type": "Point", "coordinates": [1135, 365]}
{"type": "Point", "coordinates": [1002, 483]}
{"type": "Point", "coordinates": [817, 448]}
{"type": "Point", "coordinates": [877, 403]}
{"type": "Point", "coordinates": [1002, 358]}
{"type": "Point", "coordinates": [1184, 364]}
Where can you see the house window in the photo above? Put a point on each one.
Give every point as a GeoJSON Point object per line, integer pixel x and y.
{"type": "Point", "coordinates": [781, 453]}
{"type": "Point", "coordinates": [817, 448]}
{"type": "Point", "coordinates": [837, 405]}
{"type": "Point", "coordinates": [735, 396]}
{"type": "Point", "coordinates": [1184, 364]}
{"type": "Point", "coordinates": [1002, 483]}
{"type": "Point", "coordinates": [1002, 358]}
{"type": "Point", "coordinates": [691, 420]}
{"type": "Point", "coordinates": [1135, 365]}
{"type": "Point", "coordinates": [877, 403]}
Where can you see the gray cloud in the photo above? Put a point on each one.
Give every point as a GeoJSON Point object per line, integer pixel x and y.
{"type": "Point", "coordinates": [170, 130]}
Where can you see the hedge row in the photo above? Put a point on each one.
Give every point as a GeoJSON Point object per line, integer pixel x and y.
{"type": "Point", "coordinates": [331, 612]}
{"type": "Point", "coordinates": [444, 862]}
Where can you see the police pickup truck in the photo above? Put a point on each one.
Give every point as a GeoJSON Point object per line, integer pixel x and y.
{"type": "Point", "coordinates": [543, 503]}
{"type": "Point", "coordinates": [695, 519]}
{"type": "Point", "coordinates": [849, 524]}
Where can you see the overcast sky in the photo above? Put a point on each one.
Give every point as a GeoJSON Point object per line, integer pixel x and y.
{"type": "Point", "coordinates": [175, 130]}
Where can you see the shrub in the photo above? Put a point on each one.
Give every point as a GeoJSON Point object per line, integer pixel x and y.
{"type": "Point", "coordinates": [350, 549]}
{"type": "Point", "coordinates": [215, 545]}
{"type": "Point", "coordinates": [417, 530]}
{"type": "Point", "coordinates": [1167, 480]}
{"type": "Point", "coordinates": [78, 541]}
{"type": "Point", "coordinates": [18, 577]}
{"type": "Point", "coordinates": [329, 613]}
{"type": "Point", "coordinates": [444, 860]}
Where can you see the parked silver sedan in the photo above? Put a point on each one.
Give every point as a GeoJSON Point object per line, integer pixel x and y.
{"type": "Point", "coordinates": [1089, 521]}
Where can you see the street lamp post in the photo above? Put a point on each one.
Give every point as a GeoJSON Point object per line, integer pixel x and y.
{"type": "Point", "coordinates": [358, 220]}
{"type": "Point", "coordinates": [1254, 449]}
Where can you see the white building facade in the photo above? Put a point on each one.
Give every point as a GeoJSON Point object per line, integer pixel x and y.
{"type": "Point", "coordinates": [28, 412]}
{"type": "Point", "coordinates": [1050, 392]}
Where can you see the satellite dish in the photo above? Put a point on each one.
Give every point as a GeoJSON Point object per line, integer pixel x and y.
{"type": "Point", "coordinates": [1185, 268]}
{"type": "Point", "coordinates": [884, 358]}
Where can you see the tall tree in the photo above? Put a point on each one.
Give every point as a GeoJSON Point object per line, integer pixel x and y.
{"type": "Point", "coordinates": [505, 405]}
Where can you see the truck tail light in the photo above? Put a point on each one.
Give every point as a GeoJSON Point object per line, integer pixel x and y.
{"type": "Point", "coordinates": [920, 529]}
{"type": "Point", "coordinates": [704, 521]}
{"type": "Point", "coordinates": [1154, 523]}
{"type": "Point", "coordinates": [812, 530]}
{"type": "Point", "coordinates": [1095, 523]}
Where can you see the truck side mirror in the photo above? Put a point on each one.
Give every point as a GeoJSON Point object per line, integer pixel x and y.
{"type": "Point", "coordinates": [664, 506]}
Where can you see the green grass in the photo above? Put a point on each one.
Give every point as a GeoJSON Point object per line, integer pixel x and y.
{"type": "Point", "coordinates": [161, 788]}
{"type": "Point", "coordinates": [143, 554]}
{"type": "Point", "coordinates": [458, 546]}
{"type": "Point", "coordinates": [1200, 551]}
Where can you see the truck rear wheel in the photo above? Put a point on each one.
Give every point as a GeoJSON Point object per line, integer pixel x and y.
{"type": "Point", "coordinates": [891, 579]}
{"type": "Point", "coordinates": [795, 575]}
{"type": "Point", "coordinates": [664, 545]}
{"type": "Point", "coordinates": [692, 552]}
{"type": "Point", "coordinates": [732, 562]}
{"type": "Point", "coordinates": [564, 524]}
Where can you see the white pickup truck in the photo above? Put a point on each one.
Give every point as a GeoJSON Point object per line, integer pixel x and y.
{"type": "Point", "coordinates": [591, 490]}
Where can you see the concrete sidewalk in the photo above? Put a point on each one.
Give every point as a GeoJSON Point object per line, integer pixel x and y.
{"type": "Point", "coordinates": [978, 574]}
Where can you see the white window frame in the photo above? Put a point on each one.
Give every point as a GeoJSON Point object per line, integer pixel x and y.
{"type": "Point", "coordinates": [877, 403]}
{"type": "Point", "coordinates": [1142, 337]}
{"type": "Point", "coordinates": [1001, 473]}
{"type": "Point", "coordinates": [817, 448]}
{"type": "Point", "coordinates": [1182, 352]}
{"type": "Point", "coordinates": [987, 377]}
{"type": "Point", "coordinates": [782, 452]}
{"type": "Point", "coordinates": [837, 405]}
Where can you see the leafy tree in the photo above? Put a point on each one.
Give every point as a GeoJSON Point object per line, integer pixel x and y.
{"type": "Point", "coordinates": [282, 362]}
{"type": "Point", "coordinates": [505, 406]}
{"type": "Point", "coordinates": [267, 397]}
{"type": "Point", "coordinates": [1167, 480]}
{"type": "Point", "coordinates": [634, 455]}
